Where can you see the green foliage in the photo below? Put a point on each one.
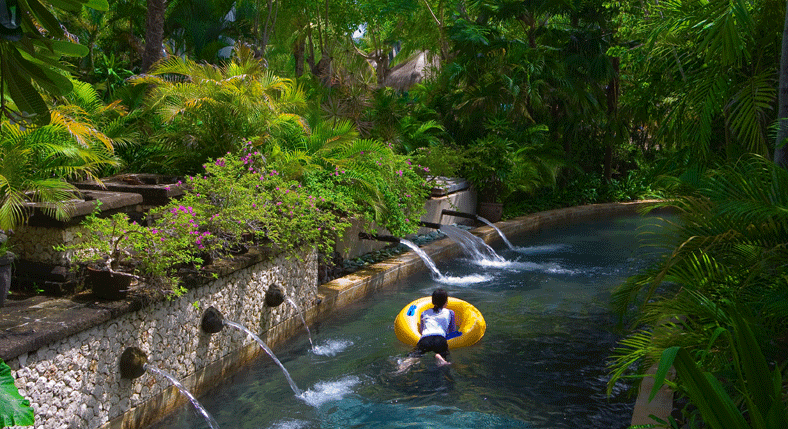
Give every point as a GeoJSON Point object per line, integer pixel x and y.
{"type": "Point", "coordinates": [34, 163]}
{"type": "Point", "coordinates": [705, 72]}
{"type": "Point", "coordinates": [240, 194]}
{"type": "Point", "coordinates": [14, 409]}
{"type": "Point", "coordinates": [727, 250]}
{"type": "Point", "coordinates": [760, 387]}
{"type": "Point", "coordinates": [205, 111]}
{"type": "Point", "coordinates": [31, 44]}
{"type": "Point", "coordinates": [153, 254]}
{"type": "Point", "coordinates": [237, 201]}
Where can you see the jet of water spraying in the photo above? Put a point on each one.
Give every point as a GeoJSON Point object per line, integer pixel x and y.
{"type": "Point", "coordinates": [262, 344]}
{"type": "Point", "coordinates": [301, 315]}
{"type": "Point", "coordinates": [154, 370]}
{"type": "Point", "coordinates": [505, 240]}
{"type": "Point", "coordinates": [472, 245]}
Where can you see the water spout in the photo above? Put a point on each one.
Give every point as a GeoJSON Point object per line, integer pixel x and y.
{"type": "Point", "coordinates": [424, 257]}
{"type": "Point", "coordinates": [274, 296]}
{"type": "Point", "coordinates": [505, 240]}
{"type": "Point", "coordinates": [212, 321]}
{"type": "Point", "coordinates": [430, 225]}
{"type": "Point", "coordinates": [446, 212]}
{"type": "Point", "coordinates": [262, 344]}
{"type": "Point", "coordinates": [152, 369]}
{"type": "Point", "coordinates": [132, 363]}
{"type": "Point", "coordinates": [387, 238]}
{"type": "Point", "coordinates": [472, 245]}
{"type": "Point", "coordinates": [301, 315]}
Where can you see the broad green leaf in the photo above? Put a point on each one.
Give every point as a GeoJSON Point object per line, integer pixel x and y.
{"type": "Point", "coordinates": [44, 17]}
{"type": "Point", "coordinates": [69, 5]}
{"type": "Point", "coordinates": [757, 377]}
{"type": "Point", "coordinates": [100, 5]}
{"type": "Point", "coordinates": [706, 393]}
{"type": "Point", "coordinates": [14, 409]}
{"type": "Point", "coordinates": [22, 92]}
{"type": "Point", "coordinates": [50, 80]}
{"type": "Point", "coordinates": [70, 49]}
{"type": "Point", "coordinates": [668, 356]}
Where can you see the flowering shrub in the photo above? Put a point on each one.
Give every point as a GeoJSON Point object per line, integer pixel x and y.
{"type": "Point", "coordinates": [153, 254]}
{"type": "Point", "coordinates": [239, 197]}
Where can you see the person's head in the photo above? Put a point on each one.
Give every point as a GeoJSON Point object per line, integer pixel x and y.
{"type": "Point", "coordinates": [439, 298]}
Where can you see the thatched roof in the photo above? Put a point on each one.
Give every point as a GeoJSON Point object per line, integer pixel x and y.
{"type": "Point", "coordinates": [414, 70]}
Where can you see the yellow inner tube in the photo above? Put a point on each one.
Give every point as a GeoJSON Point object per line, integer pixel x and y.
{"type": "Point", "coordinates": [469, 320]}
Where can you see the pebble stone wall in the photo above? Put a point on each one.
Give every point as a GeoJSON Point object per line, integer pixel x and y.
{"type": "Point", "coordinates": [75, 383]}
{"type": "Point", "coordinates": [36, 244]}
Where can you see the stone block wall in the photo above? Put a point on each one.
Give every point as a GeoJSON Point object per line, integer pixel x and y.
{"type": "Point", "coordinates": [75, 382]}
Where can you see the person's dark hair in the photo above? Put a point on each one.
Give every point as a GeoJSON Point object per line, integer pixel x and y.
{"type": "Point", "coordinates": [439, 298]}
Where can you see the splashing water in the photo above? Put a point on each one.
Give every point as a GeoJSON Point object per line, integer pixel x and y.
{"type": "Point", "coordinates": [436, 274]}
{"type": "Point", "coordinates": [295, 388]}
{"type": "Point", "coordinates": [545, 248]}
{"type": "Point", "coordinates": [331, 347]}
{"type": "Point", "coordinates": [152, 369]}
{"type": "Point", "coordinates": [301, 315]}
{"type": "Point", "coordinates": [329, 391]}
{"type": "Point", "coordinates": [424, 257]}
{"type": "Point", "coordinates": [472, 245]}
{"type": "Point", "coordinates": [505, 240]}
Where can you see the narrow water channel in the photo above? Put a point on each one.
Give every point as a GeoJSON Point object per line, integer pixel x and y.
{"type": "Point", "coordinates": [541, 364]}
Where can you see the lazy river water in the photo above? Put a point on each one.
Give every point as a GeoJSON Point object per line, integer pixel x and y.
{"type": "Point", "coordinates": [541, 364]}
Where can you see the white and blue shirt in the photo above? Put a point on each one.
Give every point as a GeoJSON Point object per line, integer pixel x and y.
{"type": "Point", "coordinates": [440, 323]}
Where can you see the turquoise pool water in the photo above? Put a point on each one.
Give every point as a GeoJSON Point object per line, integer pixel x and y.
{"type": "Point", "coordinates": [541, 363]}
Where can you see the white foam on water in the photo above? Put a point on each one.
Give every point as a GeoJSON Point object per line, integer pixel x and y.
{"type": "Point", "coordinates": [548, 267]}
{"type": "Point", "coordinates": [290, 424]}
{"type": "Point", "coordinates": [328, 391]}
{"type": "Point", "coordinates": [463, 280]}
{"type": "Point", "coordinates": [547, 248]}
{"type": "Point", "coordinates": [331, 347]}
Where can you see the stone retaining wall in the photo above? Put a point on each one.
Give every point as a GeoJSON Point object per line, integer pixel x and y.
{"type": "Point", "coordinates": [75, 382]}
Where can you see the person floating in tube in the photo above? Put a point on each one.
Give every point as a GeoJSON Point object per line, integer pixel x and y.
{"type": "Point", "coordinates": [435, 325]}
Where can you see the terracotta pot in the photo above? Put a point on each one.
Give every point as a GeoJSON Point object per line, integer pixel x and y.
{"type": "Point", "coordinates": [5, 275]}
{"type": "Point", "coordinates": [108, 285]}
{"type": "Point", "coordinates": [490, 211]}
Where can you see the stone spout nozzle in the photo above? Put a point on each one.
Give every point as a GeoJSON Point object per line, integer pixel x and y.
{"type": "Point", "coordinates": [459, 214]}
{"type": "Point", "coordinates": [212, 321]}
{"type": "Point", "coordinates": [388, 238]}
{"type": "Point", "coordinates": [274, 296]}
{"type": "Point", "coordinates": [132, 363]}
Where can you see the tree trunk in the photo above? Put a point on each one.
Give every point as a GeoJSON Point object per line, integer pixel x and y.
{"type": "Point", "coordinates": [612, 117]}
{"type": "Point", "coordinates": [154, 33]}
{"type": "Point", "coordinates": [299, 51]}
{"type": "Point", "coordinates": [781, 151]}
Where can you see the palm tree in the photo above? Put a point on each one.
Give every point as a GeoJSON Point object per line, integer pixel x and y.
{"type": "Point", "coordinates": [711, 69]}
{"type": "Point", "coordinates": [210, 110]}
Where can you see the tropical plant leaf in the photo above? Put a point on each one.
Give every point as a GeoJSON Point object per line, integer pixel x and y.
{"type": "Point", "coordinates": [14, 409]}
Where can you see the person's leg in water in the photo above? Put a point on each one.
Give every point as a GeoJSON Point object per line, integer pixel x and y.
{"type": "Point", "coordinates": [432, 343]}
{"type": "Point", "coordinates": [403, 365]}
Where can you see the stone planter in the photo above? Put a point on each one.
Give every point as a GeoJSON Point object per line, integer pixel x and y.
{"type": "Point", "coordinates": [5, 275]}
{"type": "Point", "coordinates": [106, 284]}
{"type": "Point", "coordinates": [490, 211]}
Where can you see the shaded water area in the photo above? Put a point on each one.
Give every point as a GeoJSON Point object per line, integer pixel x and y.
{"type": "Point", "coordinates": [541, 363]}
